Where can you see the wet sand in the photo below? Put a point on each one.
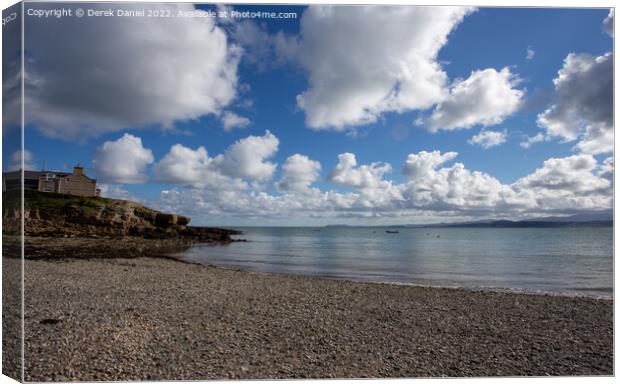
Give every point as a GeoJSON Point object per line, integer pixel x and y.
{"type": "Point", "coordinates": [161, 319]}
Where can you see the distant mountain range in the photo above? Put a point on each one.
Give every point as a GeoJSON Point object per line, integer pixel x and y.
{"type": "Point", "coordinates": [591, 216]}
{"type": "Point", "coordinates": [596, 219]}
{"type": "Point", "coordinates": [592, 219]}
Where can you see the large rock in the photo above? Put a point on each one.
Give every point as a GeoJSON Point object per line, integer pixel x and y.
{"type": "Point", "coordinates": [183, 220]}
{"type": "Point", "coordinates": [166, 220]}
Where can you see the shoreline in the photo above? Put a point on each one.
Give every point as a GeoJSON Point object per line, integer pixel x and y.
{"type": "Point", "coordinates": [500, 290]}
{"type": "Point", "coordinates": [172, 249]}
{"type": "Point", "coordinates": [523, 291]}
{"type": "Point", "coordinates": [465, 289]}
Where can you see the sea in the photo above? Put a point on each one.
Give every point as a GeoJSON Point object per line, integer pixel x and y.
{"type": "Point", "coordinates": [575, 261]}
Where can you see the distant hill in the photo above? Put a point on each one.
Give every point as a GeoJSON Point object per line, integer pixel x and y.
{"type": "Point", "coordinates": [527, 224]}
{"type": "Point", "coordinates": [590, 219]}
{"type": "Point", "coordinates": [607, 215]}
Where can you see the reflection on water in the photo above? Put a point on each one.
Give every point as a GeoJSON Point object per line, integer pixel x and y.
{"type": "Point", "coordinates": [559, 260]}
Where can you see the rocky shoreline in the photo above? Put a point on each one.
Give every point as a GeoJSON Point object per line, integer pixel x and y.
{"type": "Point", "coordinates": [61, 248]}
{"type": "Point", "coordinates": [58, 215]}
{"type": "Point", "coordinates": [67, 226]}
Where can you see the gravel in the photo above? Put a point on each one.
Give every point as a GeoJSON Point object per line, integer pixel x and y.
{"type": "Point", "coordinates": [160, 319]}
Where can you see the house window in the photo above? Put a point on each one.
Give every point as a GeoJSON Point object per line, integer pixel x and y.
{"type": "Point", "coordinates": [48, 190]}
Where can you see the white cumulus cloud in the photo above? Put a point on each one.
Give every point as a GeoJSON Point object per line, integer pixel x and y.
{"type": "Point", "coordinates": [420, 164]}
{"type": "Point", "coordinates": [561, 185]}
{"type": "Point", "coordinates": [121, 72]}
{"type": "Point", "coordinates": [567, 183]}
{"type": "Point", "coordinates": [184, 165]}
{"type": "Point", "coordinates": [122, 161]}
{"type": "Point", "coordinates": [364, 61]}
{"type": "Point", "coordinates": [432, 187]}
{"type": "Point", "coordinates": [488, 139]}
{"type": "Point", "coordinates": [583, 107]}
{"type": "Point", "coordinates": [299, 173]}
{"type": "Point", "coordinates": [194, 168]}
{"type": "Point", "coordinates": [348, 173]}
{"type": "Point", "coordinates": [597, 138]}
{"type": "Point", "coordinates": [487, 97]}
{"type": "Point", "coordinates": [231, 121]}
{"type": "Point", "coordinates": [247, 158]}
{"type": "Point", "coordinates": [244, 159]}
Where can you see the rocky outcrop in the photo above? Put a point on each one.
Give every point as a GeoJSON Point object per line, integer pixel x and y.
{"type": "Point", "coordinates": [57, 215]}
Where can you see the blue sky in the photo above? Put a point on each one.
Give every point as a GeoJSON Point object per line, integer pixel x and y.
{"type": "Point", "coordinates": [271, 74]}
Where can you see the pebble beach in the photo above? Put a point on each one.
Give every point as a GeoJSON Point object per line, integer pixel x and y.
{"type": "Point", "coordinates": [153, 318]}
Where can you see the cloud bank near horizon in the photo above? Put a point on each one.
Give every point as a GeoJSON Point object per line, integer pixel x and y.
{"type": "Point", "coordinates": [242, 181]}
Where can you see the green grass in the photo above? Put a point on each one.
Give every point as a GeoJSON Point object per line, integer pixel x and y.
{"type": "Point", "coordinates": [51, 201]}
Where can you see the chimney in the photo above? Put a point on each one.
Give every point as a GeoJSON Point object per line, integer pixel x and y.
{"type": "Point", "coordinates": [78, 170]}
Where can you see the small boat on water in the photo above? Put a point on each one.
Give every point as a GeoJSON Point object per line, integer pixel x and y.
{"type": "Point", "coordinates": [391, 231]}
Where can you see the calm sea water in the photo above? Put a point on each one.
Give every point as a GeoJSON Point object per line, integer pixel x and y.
{"type": "Point", "coordinates": [573, 261]}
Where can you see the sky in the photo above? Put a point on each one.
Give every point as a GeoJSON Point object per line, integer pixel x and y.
{"type": "Point", "coordinates": [326, 115]}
